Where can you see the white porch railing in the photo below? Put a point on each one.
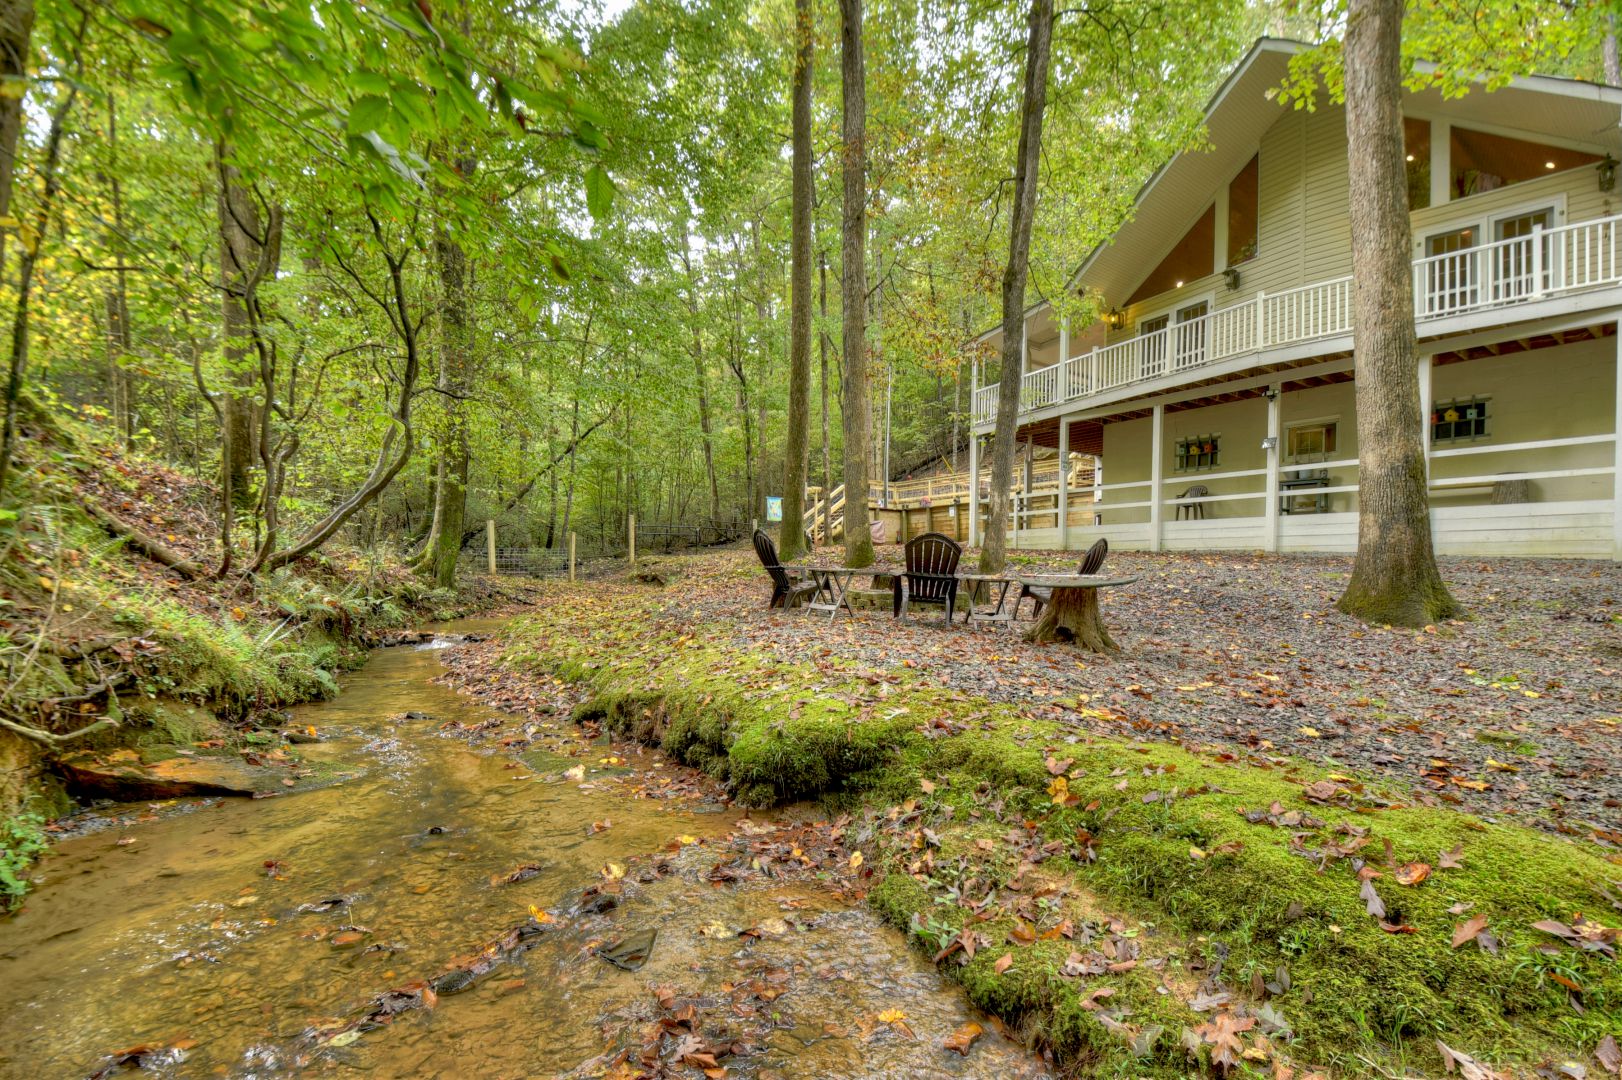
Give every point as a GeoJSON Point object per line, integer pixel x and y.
{"type": "Point", "coordinates": [1523, 269]}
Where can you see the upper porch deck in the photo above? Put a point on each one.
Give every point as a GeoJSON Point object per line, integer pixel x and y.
{"type": "Point", "coordinates": [1571, 267]}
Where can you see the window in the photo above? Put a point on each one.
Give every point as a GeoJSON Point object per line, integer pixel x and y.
{"type": "Point", "coordinates": [1188, 340]}
{"type": "Point", "coordinates": [1242, 214]}
{"type": "Point", "coordinates": [1310, 442]}
{"type": "Point", "coordinates": [1198, 452]}
{"type": "Point", "coordinates": [1449, 282]}
{"type": "Point", "coordinates": [1154, 350]}
{"type": "Point", "coordinates": [1194, 257]}
{"type": "Point", "coordinates": [1481, 161]}
{"type": "Point", "coordinates": [1512, 277]}
{"type": "Point", "coordinates": [1459, 421]}
{"type": "Point", "coordinates": [1416, 147]}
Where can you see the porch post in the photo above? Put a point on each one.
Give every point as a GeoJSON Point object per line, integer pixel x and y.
{"type": "Point", "coordinates": [1156, 437]}
{"type": "Point", "coordinates": [1064, 484]}
{"type": "Point", "coordinates": [1426, 398]}
{"type": "Point", "coordinates": [1616, 450]}
{"type": "Point", "coordinates": [974, 488]}
{"type": "Point", "coordinates": [1274, 456]}
{"type": "Point", "coordinates": [1022, 507]}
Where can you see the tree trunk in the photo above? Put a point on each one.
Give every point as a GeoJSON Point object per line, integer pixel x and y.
{"type": "Point", "coordinates": [241, 250]}
{"type": "Point", "coordinates": [117, 296]}
{"type": "Point", "coordinates": [1613, 61]}
{"type": "Point", "coordinates": [791, 539]}
{"type": "Point", "coordinates": [855, 394]}
{"type": "Point", "coordinates": [1395, 579]}
{"type": "Point", "coordinates": [455, 363]}
{"type": "Point", "coordinates": [827, 449]}
{"type": "Point", "coordinates": [16, 35]}
{"type": "Point", "coordinates": [1037, 55]}
{"type": "Point", "coordinates": [1072, 615]}
{"type": "Point", "coordinates": [702, 382]}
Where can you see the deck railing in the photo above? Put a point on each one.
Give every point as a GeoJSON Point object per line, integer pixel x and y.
{"type": "Point", "coordinates": [1519, 270]}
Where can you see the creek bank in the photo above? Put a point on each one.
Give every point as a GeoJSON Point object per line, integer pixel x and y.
{"type": "Point", "coordinates": [1140, 908]}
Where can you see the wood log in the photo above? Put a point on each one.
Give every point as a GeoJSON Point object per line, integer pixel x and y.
{"type": "Point", "coordinates": [145, 544]}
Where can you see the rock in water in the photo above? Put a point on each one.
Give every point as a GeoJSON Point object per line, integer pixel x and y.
{"type": "Point", "coordinates": [129, 775]}
{"type": "Point", "coordinates": [630, 953]}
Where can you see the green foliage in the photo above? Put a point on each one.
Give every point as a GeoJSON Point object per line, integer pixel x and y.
{"type": "Point", "coordinates": [22, 839]}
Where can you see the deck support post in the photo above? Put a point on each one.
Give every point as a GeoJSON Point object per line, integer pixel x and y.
{"type": "Point", "coordinates": [974, 488]}
{"type": "Point", "coordinates": [1616, 452]}
{"type": "Point", "coordinates": [1426, 400]}
{"type": "Point", "coordinates": [1022, 505]}
{"type": "Point", "coordinates": [1275, 455]}
{"type": "Point", "coordinates": [1157, 434]}
{"type": "Point", "coordinates": [1064, 483]}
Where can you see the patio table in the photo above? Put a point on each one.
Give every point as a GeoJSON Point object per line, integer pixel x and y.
{"type": "Point", "coordinates": [1000, 611]}
{"type": "Point", "coordinates": [832, 583]}
{"type": "Point", "coordinates": [1072, 614]}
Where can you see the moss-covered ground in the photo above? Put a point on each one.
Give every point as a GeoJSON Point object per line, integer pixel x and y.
{"type": "Point", "coordinates": [1228, 900]}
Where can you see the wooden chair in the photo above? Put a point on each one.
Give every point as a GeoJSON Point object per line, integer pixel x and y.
{"type": "Point", "coordinates": [1193, 509]}
{"type": "Point", "coordinates": [931, 573]}
{"type": "Point", "coordinates": [1091, 563]}
{"type": "Point", "coordinates": [785, 586]}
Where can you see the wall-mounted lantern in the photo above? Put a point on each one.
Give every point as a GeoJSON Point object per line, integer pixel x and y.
{"type": "Point", "coordinates": [1231, 276]}
{"type": "Point", "coordinates": [1607, 173]}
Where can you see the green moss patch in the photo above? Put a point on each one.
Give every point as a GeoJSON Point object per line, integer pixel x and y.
{"type": "Point", "coordinates": [1233, 874]}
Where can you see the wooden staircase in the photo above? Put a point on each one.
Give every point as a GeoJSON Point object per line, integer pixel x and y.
{"type": "Point", "coordinates": [825, 518]}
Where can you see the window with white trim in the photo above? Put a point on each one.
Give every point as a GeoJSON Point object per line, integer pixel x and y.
{"type": "Point", "coordinates": [1461, 420]}
{"type": "Point", "coordinates": [1198, 453]}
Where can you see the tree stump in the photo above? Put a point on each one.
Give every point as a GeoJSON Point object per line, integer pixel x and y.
{"type": "Point", "coordinates": [1072, 615]}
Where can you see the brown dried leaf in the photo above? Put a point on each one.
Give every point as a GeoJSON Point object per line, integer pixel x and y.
{"type": "Point", "coordinates": [1467, 930]}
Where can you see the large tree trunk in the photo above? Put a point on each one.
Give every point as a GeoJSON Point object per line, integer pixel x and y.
{"type": "Point", "coordinates": [455, 362]}
{"type": "Point", "coordinates": [791, 542]}
{"type": "Point", "coordinates": [1395, 579]}
{"type": "Point", "coordinates": [1613, 59]}
{"type": "Point", "coordinates": [16, 34]}
{"type": "Point", "coordinates": [1038, 52]}
{"type": "Point", "coordinates": [855, 394]}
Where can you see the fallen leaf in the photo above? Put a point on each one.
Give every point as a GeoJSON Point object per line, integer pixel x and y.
{"type": "Point", "coordinates": [1412, 873]}
{"type": "Point", "coordinates": [1004, 962]}
{"type": "Point", "coordinates": [963, 1038]}
{"type": "Point", "coordinates": [1467, 930]}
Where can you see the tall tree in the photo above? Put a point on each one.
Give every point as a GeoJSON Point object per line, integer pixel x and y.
{"type": "Point", "coordinates": [855, 393]}
{"type": "Point", "coordinates": [792, 542]}
{"type": "Point", "coordinates": [1395, 579]}
{"type": "Point", "coordinates": [16, 36]}
{"type": "Point", "coordinates": [1038, 52]}
{"type": "Point", "coordinates": [249, 253]}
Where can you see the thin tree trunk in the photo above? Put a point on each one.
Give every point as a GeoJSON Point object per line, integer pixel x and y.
{"type": "Point", "coordinates": [1613, 62]}
{"type": "Point", "coordinates": [1394, 579]}
{"type": "Point", "coordinates": [702, 382]}
{"type": "Point", "coordinates": [791, 539]}
{"type": "Point", "coordinates": [574, 443]}
{"type": "Point", "coordinates": [1038, 52]}
{"type": "Point", "coordinates": [16, 36]}
{"type": "Point", "coordinates": [827, 447]}
{"type": "Point", "coordinates": [855, 394]}
{"type": "Point", "coordinates": [117, 297]}
{"type": "Point", "coordinates": [455, 364]}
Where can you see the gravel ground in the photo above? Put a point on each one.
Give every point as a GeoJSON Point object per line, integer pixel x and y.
{"type": "Point", "coordinates": [1514, 712]}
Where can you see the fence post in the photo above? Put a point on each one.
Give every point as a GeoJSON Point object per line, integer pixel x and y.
{"type": "Point", "coordinates": [490, 543]}
{"type": "Point", "coordinates": [571, 556]}
{"type": "Point", "coordinates": [631, 529]}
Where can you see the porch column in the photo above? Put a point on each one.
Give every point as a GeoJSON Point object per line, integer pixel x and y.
{"type": "Point", "coordinates": [1426, 399]}
{"type": "Point", "coordinates": [974, 488]}
{"type": "Point", "coordinates": [1275, 454]}
{"type": "Point", "coordinates": [1441, 162]}
{"type": "Point", "coordinates": [1064, 483]}
{"type": "Point", "coordinates": [1022, 506]}
{"type": "Point", "coordinates": [1156, 470]}
{"type": "Point", "coordinates": [1616, 451]}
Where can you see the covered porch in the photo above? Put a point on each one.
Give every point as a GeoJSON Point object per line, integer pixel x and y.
{"type": "Point", "coordinates": [1520, 426]}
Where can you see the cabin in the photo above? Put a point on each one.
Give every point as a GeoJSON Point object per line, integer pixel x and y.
{"type": "Point", "coordinates": [1216, 393]}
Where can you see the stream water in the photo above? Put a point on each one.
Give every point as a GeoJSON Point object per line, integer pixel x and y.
{"type": "Point", "coordinates": [242, 938]}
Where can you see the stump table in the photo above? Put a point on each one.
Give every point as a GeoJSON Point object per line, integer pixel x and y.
{"type": "Point", "coordinates": [1072, 613]}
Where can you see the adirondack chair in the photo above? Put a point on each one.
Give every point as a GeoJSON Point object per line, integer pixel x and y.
{"type": "Point", "coordinates": [1091, 563]}
{"type": "Point", "coordinates": [786, 586]}
{"type": "Point", "coordinates": [931, 573]}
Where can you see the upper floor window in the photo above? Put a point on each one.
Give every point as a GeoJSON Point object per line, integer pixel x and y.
{"type": "Point", "coordinates": [1193, 257]}
{"type": "Point", "coordinates": [1243, 215]}
{"type": "Point", "coordinates": [1459, 421]}
{"type": "Point", "coordinates": [1481, 161]}
{"type": "Point", "coordinates": [1416, 149]}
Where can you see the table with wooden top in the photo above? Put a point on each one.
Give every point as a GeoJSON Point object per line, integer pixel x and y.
{"type": "Point", "coordinates": [1000, 610]}
{"type": "Point", "coordinates": [1072, 612]}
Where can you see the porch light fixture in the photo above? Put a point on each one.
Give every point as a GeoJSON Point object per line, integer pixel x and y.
{"type": "Point", "coordinates": [1607, 173]}
{"type": "Point", "coordinates": [1231, 276]}
{"type": "Point", "coordinates": [1269, 442]}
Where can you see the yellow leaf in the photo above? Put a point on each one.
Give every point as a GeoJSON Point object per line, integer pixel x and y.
{"type": "Point", "coordinates": [46, 583]}
{"type": "Point", "coordinates": [891, 1016]}
{"type": "Point", "coordinates": [1499, 766]}
{"type": "Point", "coordinates": [1195, 853]}
{"type": "Point", "coordinates": [1311, 732]}
{"type": "Point", "coordinates": [685, 839]}
{"type": "Point", "coordinates": [613, 871]}
{"type": "Point", "coordinates": [855, 859]}
{"type": "Point", "coordinates": [539, 915]}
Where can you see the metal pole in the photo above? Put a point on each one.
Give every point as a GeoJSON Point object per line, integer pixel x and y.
{"type": "Point", "coordinates": [571, 556]}
{"type": "Point", "coordinates": [490, 543]}
{"type": "Point", "coordinates": [889, 382]}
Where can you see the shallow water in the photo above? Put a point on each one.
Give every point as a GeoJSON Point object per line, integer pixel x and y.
{"type": "Point", "coordinates": [185, 933]}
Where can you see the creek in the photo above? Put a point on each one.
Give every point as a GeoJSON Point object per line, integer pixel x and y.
{"type": "Point", "coordinates": [243, 938]}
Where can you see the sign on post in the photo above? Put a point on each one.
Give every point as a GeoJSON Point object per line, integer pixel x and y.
{"type": "Point", "coordinates": [774, 508]}
{"type": "Point", "coordinates": [490, 543]}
